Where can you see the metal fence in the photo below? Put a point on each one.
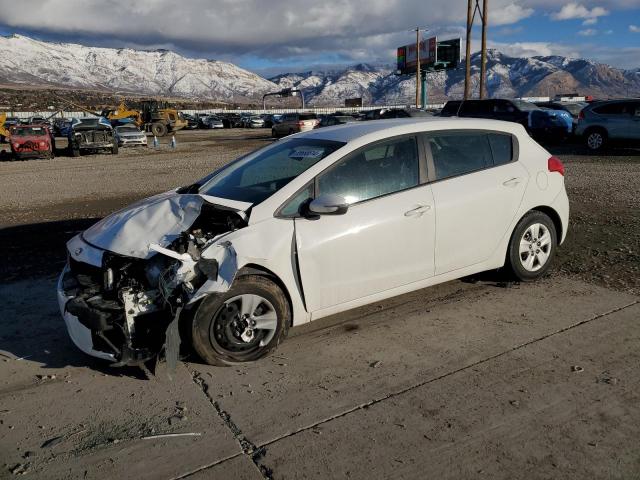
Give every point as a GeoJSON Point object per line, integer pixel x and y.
{"type": "Point", "coordinates": [317, 110]}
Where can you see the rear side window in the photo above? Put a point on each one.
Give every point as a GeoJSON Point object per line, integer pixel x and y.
{"type": "Point", "coordinates": [611, 109]}
{"type": "Point", "coordinates": [307, 116]}
{"type": "Point", "coordinates": [501, 148]}
{"type": "Point", "coordinates": [459, 153]}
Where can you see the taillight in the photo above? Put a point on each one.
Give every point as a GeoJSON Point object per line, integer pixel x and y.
{"type": "Point", "coordinates": [301, 123]}
{"type": "Point", "coordinates": [581, 115]}
{"type": "Point", "coordinates": [555, 165]}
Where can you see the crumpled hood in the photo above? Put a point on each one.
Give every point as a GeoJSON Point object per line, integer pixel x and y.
{"type": "Point", "coordinates": [159, 219]}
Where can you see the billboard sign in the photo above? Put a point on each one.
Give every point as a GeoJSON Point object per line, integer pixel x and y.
{"type": "Point", "coordinates": [434, 55]}
{"type": "Point", "coordinates": [449, 52]}
{"type": "Point", "coordinates": [407, 57]}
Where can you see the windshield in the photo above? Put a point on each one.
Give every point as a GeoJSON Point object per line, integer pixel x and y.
{"type": "Point", "coordinates": [127, 129]}
{"type": "Point", "coordinates": [26, 131]}
{"type": "Point", "coordinates": [525, 106]}
{"type": "Point", "coordinates": [262, 173]}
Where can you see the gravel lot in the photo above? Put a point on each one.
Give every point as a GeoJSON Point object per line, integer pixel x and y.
{"type": "Point", "coordinates": [475, 378]}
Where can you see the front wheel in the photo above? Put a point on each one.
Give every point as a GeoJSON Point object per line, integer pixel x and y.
{"type": "Point", "coordinates": [243, 324]}
{"type": "Point", "coordinates": [532, 246]}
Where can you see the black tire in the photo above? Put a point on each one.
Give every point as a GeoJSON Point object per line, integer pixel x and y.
{"type": "Point", "coordinates": [273, 133]}
{"type": "Point", "coordinates": [159, 129]}
{"type": "Point", "coordinates": [114, 149]}
{"type": "Point", "coordinates": [209, 320]}
{"type": "Point", "coordinates": [75, 151]}
{"type": "Point", "coordinates": [596, 139]}
{"type": "Point", "coordinates": [515, 260]}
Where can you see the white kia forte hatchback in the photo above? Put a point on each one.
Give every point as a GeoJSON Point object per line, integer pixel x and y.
{"type": "Point", "coordinates": [312, 225]}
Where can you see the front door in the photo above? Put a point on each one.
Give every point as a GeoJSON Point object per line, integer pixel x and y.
{"type": "Point", "coordinates": [384, 240]}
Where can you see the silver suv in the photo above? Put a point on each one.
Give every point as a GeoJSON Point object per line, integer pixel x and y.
{"type": "Point", "coordinates": [613, 120]}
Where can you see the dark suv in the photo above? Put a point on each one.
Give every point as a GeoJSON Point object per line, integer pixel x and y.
{"type": "Point", "coordinates": [537, 121]}
{"type": "Point", "coordinates": [609, 121]}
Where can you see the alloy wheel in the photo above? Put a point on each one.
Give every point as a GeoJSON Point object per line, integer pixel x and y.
{"type": "Point", "coordinates": [535, 247]}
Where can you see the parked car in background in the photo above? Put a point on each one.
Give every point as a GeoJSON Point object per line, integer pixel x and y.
{"type": "Point", "coordinates": [291, 123]}
{"type": "Point", "coordinates": [212, 121]}
{"type": "Point", "coordinates": [91, 134]}
{"type": "Point", "coordinates": [31, 141]}
{"type": "Point", "coordinates": [253, 121]}
{"type": "Point", "coordinates": [607, 122]}
{"type": "Point", "coordinates": [573, 108]}
{"type": "Point", "coordinates": [370, 210]}
{"type": "Point", "coordinates": [192, 121]}
{"type": "Point", "coordinates": [386, 113]}
{"type": "Point", "coordinates": [231, 120]}
{"type": "Point", "coordinates": [271, 119]}
{"type": "Point", "coordinates": [61, 126]}
{"type": "Point", "coordinates": [130, 136]}
{"type": "Point", "coordinates": [37, 121]}
{"type": "Point", "coordinates": [538, 122]}
{"type": "Point", "coordinates": [331, 120]}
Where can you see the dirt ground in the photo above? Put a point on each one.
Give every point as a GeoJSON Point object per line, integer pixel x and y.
{"type": "Point", "coordinates": [471, 379]}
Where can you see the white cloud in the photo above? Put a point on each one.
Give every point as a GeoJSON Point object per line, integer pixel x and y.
{"type": "Point", "coordinates": [634, 28]}
{"type": "Point", "coordinates": [590, 21]}
{"type": "Point", "coordinates": [533, 49]}
{"type": "Point", "coordinates": [508, 14]}
{"type": "Point", "coordinates": [589, 32]}
{"type": "Point", "coordinates": [575, 10]}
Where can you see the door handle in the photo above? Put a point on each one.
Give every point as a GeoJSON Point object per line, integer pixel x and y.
{"type": "Point", "coordinates": [419, 210]}
{"type": "Point", "coordinates": [512, 182]}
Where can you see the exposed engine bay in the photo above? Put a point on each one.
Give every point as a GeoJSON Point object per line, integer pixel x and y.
{"type": "Point", "coordinates": [131, 303]}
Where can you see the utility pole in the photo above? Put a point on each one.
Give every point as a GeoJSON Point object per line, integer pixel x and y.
{"type": "Point", "coordinates": [483, 64]}
{"type": "Point", "coordinates": [471, 15]}
{"type": "Point", "coordinates": [417, 66]}
{"type": "Point", "coordinates": [467, 75]}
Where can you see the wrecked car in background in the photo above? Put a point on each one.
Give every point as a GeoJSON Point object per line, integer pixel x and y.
{"type": "Point", "coordinates": [91, 134]}
{"type": "Point", "coordinates": [31, 141]}
{"type": "Point", "coordinates": [309, 226]}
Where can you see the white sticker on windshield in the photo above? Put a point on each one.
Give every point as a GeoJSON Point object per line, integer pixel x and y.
{"type": "Point", "coordinates": [307, 152]}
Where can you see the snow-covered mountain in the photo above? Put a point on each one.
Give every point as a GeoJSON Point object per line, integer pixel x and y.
{"type": "Point", "coordinates": [506, 77]}
{"type": "Point", "coordinates": [26, 61]}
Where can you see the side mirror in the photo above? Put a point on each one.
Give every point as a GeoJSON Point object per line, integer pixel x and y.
{"type": "Point", "coordinates": [328, 205]}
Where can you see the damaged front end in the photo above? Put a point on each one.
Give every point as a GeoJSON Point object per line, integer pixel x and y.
{"type": "Point", "coordinates": [121, 303]}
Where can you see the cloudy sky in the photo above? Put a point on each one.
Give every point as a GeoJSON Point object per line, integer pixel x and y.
{"type": "Point", "coordinates": [269, 36]}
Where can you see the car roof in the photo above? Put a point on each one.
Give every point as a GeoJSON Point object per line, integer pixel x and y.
{"type": "Point", "coordinates": [400, 126]}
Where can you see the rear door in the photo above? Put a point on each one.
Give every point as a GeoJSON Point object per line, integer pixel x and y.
{"type": "Point", "coordinates": [477, 189]}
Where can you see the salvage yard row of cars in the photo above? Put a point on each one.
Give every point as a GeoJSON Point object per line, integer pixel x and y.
{"type": "Point", "coordinates": [596, 124]}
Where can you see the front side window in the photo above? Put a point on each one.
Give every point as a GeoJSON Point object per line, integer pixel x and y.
{"type": "Point", "coordinates": [459, 153]}
{"type": "Point", "coordinates": [259, 175]}
{"type": "Point", "coordinates": [373, 171]}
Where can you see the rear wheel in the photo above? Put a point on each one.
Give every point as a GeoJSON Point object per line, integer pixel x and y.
{"type": "Point", "coordinates": [159, 129]}
{"type": "Point", "coordinates": [595, 139]}
{"type": "Point", "coordinates": [243, 324]}
{"type": "Point", "coordinates": [532, 246]}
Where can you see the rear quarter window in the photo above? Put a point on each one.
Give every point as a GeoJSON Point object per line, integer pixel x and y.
{"type": "Point", "coordinates": [460, 153]}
